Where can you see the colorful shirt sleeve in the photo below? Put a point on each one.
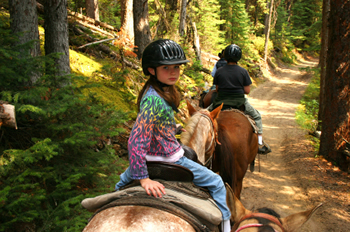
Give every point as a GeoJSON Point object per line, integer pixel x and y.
{"type": "Point", "coordinates": [141, 135]}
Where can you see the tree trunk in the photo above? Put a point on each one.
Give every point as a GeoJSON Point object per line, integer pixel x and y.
{"type": "Point", "coordinates": [182, 18]}
{"type": "Point", "coordinates": [323, 57]}
{"type": "Point", "coordinates": [92, 9]}
{"type": "Point", "coordinates": [196, 44]}
{"type": "Point", "coordinates": [267, 33]}
{"type": "Point", "coordinates": [56, 34]}
{"type": "Point", "coordinates": [336, 119]}
{"type": "Point", "coordinates": [141, 26]}
{"type": "Point", "coordinates": [127, 18]}
{"type": "Point", "coordinates": [24, 21]}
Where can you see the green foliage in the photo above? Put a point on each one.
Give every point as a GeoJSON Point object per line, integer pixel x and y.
{"type": "Point", "coordinates": [306, 23]}
{"type": "Point", "coordinates": [111, 12]}
{"type": "Point", "coordinates": [194, 72]}
{"type": "Point", "coordinates": [237, 24]}
{"type": "Point", "coordinates": [307, 113]}
{"type": "Point", "coordinates": [58, 155]}
{"type": "Point", "coordinates": [206, 14]}
{"type": "Point", "coordinates": [259, 45]}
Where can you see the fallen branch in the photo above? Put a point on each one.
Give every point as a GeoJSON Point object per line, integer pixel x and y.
{"type": "Point", "coordinates": [79, 30]}
{"type": "Point", "coordinates": [97, 42]}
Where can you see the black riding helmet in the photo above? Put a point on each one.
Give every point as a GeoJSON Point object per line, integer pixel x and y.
{"type": "Point", "coordinates": [162, 52]}
{"type": "Point", "coordinates": [233, 53]}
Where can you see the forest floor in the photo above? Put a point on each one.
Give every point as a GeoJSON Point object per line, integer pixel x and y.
{"type": "Point", "coordinates": [291, 179]}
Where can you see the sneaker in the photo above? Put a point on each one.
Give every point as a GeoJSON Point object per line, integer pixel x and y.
{"type": "Point", "coordinates": [264, 149]}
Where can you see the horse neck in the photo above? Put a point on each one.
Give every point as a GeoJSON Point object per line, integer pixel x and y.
{"type": "Point", "coordinates": [198, 136]}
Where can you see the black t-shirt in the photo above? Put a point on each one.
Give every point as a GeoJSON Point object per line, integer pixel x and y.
{"type": "Point", "coordinates": [232, 79]}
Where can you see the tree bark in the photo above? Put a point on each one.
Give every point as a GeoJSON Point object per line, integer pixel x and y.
{"type": "Point", "coordinates": [267, 27]}
{"type": "Point", "coordinates": [336, 119]}
{"type": "Point", "coordinates": [196, 44]}
{"type": "Point", "coordinates": [92, 10]}
{"type": "Point", "coordinates": [24, 22]}
{"type": "Point", "coordinates": [127, 18]}
{"type": "Point", "coordinates": [56, 34]}
{"type": "Point", "coordinates": [323, 57]}
{"type": "Point", "coordinates": [182, 18]}
{"type": "Point", "coordinates": [141, 26]}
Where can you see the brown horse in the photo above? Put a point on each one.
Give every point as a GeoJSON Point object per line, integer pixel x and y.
{"type": "Point", "coordinates": [206, 99]}
{"type": "Point", "coordinates": [264, 219]}
{"type": "Point", "coordinates": [236, 143]}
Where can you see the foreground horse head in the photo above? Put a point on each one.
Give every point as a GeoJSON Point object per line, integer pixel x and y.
{"type": "Point", "coordinates": [265, 219]}
{"type": "Point", "coordinates": [201, 132]}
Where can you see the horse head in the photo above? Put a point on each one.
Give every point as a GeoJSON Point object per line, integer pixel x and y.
{"type": "Point", "coordinates": [266, 218]}
{"type": "Point", "coordinates": [201, 132]}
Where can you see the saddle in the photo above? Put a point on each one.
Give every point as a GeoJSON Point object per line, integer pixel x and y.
{"type": "Point", "coordinates": [182, 198]}
{"type": "Point", "coordinates": [168, 171]}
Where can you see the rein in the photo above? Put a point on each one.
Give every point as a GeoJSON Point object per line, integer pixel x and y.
{"type": "Point", "coordinates": [214, 140]}
{"type": "Point", "coordinates": [259, 215]}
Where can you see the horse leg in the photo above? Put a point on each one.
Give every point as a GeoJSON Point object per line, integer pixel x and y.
{"type": "Point", "coordinates": [252, 166]}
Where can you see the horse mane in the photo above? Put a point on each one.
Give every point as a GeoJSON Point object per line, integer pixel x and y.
{"type": "Point", "coordinates": [268, 211]}
{"type": "Point", "coordinates": [266, 227]}
{"type": "Point", "coordinates": [191, 127]}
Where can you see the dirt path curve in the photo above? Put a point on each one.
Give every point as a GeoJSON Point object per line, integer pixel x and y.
{"type": "Point", "coordinates": [277, 185]}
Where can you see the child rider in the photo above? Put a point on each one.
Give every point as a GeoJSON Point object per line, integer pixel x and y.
{"type": "Point", "coordinates": [153, 135]}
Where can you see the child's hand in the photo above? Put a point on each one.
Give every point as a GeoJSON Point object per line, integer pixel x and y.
{"type": "Point", "coordinates": [152, 187]}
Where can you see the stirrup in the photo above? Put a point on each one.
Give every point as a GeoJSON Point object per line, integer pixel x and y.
{"type": "Point", "coordinates": [264, 149]}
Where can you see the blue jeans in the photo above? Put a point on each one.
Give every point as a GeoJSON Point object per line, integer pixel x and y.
{"type": "Point", "coordinates": [249, 109]}
{"type": "Point", "coordinates": [203, 177]}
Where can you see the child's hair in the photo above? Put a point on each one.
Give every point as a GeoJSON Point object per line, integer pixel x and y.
{"type": "Point", "coordinates": [172, 96]}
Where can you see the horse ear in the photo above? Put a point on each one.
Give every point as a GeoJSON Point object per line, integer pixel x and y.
{"type": "Point", "coordinates": [234, 204]}
{"type": "Point", "coordinates": [295, 221]}
{"type": "Point", "coordinates": [215, 113]}
{"type": "Point", "coordinates": [191, 109]}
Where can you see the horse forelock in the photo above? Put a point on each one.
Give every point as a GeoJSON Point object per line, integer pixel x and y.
{"type": "Point", "coordinates": [268, 211]}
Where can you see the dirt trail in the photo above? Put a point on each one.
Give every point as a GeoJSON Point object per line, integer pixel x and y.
{"type": "Point", "coordinates": [286, 181]}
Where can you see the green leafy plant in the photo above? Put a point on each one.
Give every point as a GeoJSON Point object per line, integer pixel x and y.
{"type": "Point", "coordinates": [59, 154]}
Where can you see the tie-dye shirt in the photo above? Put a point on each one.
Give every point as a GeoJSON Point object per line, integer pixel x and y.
{"type": "Point", "coordinates": [153, 133]}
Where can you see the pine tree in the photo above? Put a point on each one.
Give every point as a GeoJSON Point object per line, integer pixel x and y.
{"type": "Point", "coordinates": [306, 23]}
{"type": "Point", "coordinates": [57, 156]}
{"type": "Point", "coordinates": [206, 15]}
{"type": "Point", "coordinates": [237, 22]}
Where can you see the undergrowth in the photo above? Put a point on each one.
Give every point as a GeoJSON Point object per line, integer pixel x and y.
{"type": "Point", "coordinates": [307, 112]}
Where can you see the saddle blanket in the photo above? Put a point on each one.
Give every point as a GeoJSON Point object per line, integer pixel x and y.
{"type": "Point", "coordinates": [204, 208]}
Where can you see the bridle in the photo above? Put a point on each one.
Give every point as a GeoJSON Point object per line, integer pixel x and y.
{"type": "Point", "coordinates": [214, 139]}
{"type": "Point", "coordinates": [271, 218]}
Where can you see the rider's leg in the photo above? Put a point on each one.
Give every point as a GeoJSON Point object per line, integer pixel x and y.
{"type": "Point", "coordinates": [125, 178]}
{"type": "Point", "coordinates": [203, 177]}
{"type": "Point", "coordinates": [249, 109]}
